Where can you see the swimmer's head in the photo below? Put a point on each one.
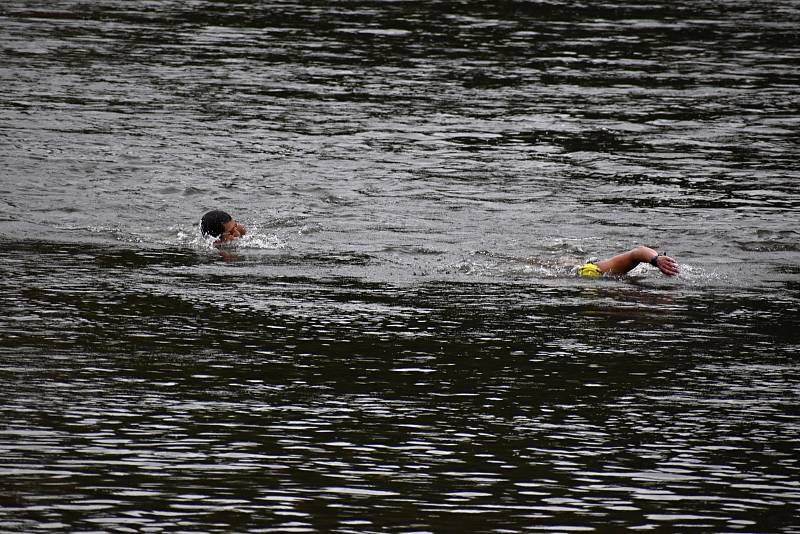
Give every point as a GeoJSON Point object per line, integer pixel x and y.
{"type": "Point", "coordinates": [213, 223]}
{"type": "Point", "coordinates": [221, 225]}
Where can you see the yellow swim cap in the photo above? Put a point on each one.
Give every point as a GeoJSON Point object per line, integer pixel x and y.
{"type": "Point", "coordinates": [589, 270]}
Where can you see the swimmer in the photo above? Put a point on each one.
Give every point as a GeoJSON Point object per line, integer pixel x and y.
{"type": "Point", "coordinates": [622, 263]}
{"type": "Point", "coordinates": [222, 226]}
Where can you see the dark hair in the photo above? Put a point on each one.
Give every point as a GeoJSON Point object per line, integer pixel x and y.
{"type": "Point", "coordinates": [211, 223]}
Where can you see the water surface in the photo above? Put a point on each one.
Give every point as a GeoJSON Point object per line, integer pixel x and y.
{"type": "Point", "coordinates": [399, 344]}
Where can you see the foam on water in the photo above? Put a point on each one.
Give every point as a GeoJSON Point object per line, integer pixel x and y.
{"type": "Point", "coordinates": [254, 239]}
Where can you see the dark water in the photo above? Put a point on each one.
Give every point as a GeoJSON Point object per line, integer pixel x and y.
{"type": "Point", "coordinates": [399, 344]}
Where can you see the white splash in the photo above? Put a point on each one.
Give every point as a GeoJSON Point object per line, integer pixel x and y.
{"type": "Point", "coordinates": [259, 241]}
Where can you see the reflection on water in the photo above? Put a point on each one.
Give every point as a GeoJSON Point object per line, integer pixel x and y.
{"type": "Point", "coordinates": [399, 344]}
{"type": "Point", "coordinates": [174, 401]}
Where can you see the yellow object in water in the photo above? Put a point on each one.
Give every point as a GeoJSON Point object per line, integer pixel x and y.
{"type": "Point", "coordinates": [589, 270]}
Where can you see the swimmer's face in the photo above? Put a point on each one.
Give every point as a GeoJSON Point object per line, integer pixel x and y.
{"type": "Point", "coordinates": [232, 230]}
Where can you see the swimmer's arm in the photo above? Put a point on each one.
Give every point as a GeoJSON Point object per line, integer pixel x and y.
{"type": "Point", "coordinates": [622, 263]}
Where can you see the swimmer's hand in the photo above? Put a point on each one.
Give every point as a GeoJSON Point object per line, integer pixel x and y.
{"type": "Point", "coordinates": [666, 265]}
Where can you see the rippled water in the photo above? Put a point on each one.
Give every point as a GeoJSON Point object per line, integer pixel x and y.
{"type": "Point", "coordinates": [399, 344]}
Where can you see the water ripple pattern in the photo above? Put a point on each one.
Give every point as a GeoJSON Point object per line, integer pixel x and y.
{"type": "Point", "coordinates": [399, 344]}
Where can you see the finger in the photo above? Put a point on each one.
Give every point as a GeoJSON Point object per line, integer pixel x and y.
{"type": "Point", "coordinates": [670, 269]}
{"type": "Point", "coordinates": [667, 266]}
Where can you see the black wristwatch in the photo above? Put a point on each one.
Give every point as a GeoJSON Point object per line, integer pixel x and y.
{"type": "Point", "coordinates": [654, 260]}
